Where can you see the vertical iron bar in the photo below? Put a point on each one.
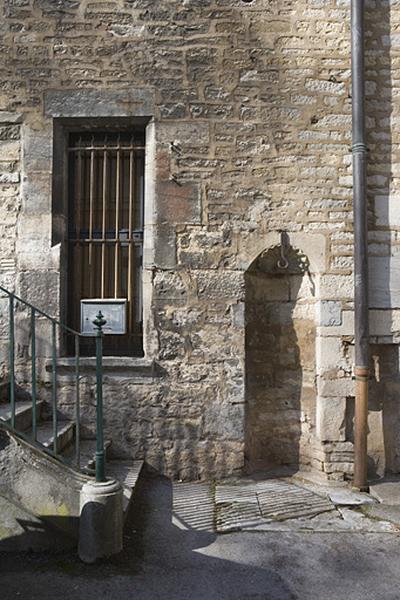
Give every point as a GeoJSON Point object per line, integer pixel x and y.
{"type": "Point", "coordinates": [130, 243]}
{"type": "Point", "coordinates": [33, 374]}
{"type": "Point", "coordinates": [360, 209]}
{"type": "Point", "coordinates": [11, 349]}
{"type": "Point", "coordinates": [78, 248]}
{"type": "Point", "coordinates": [91, 203]}
{"type": "Point", "coordinates": [54, 384]}
{"type": "Point", "coordinates": [77, 406]}
{"type": "Point", "coordinates": [103, 234]}
{"type": "Point", "coordinates": [99, 322]}
{"type": "Point", "coordinates": [117, 202]}
{"type": "Point", "coordinates": [78, 208]}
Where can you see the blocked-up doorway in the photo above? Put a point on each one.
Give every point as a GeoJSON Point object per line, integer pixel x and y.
{"type": "Point", "coordinates": [280, 361]}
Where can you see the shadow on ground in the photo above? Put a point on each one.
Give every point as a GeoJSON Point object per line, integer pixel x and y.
{"type": "Point", "coordinates": [162, 559]}
{"type": "Point", "coordinates": [165, 558]}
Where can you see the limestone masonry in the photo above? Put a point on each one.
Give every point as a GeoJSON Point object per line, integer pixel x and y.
{"type": "Point", "coordinates": [246, 111]}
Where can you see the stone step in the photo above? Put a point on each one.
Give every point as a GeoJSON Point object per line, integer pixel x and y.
{"type": "Point", "coordinates": [127, 472]}
{"type": "Point", "coordinates": [65, 434]}
{"type": "Point", "coordinates": [20, 392]}
{"type": "Point", "coordinates": [23, 413]}
{"type": "Point", "coordinates": [88, 454]}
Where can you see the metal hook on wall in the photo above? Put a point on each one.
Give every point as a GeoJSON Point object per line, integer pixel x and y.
{"type": "Point", "coordinates": [283, 262]}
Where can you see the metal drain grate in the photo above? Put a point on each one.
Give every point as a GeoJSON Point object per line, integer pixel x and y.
{"type": "Point", "coordinates": [193, 506]}
{"type": "Point", "coordinates": [249, 505]}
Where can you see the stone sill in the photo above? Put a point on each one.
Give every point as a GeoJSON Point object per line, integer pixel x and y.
{"type": "Point", "coordinates": [125, 366]}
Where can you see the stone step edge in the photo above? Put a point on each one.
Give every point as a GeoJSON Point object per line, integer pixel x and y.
{"type": "Point", "coordinates": [129, 482]}
{"type": "Point", "coordinates": [23, 413]}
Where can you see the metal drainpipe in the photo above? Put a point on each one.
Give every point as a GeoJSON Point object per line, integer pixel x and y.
{"type": "Point", "coordinates": [360, 209]}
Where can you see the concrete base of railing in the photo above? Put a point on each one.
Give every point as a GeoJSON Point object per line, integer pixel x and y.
{"type": "Point", "coordinates": [101, 520]}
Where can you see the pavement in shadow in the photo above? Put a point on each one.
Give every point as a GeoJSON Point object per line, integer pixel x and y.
{"type": "Point", "coordinates": [170, 557]}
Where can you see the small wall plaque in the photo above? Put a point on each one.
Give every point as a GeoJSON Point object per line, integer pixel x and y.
{"type": "Point", "coordinates": [113, 310]}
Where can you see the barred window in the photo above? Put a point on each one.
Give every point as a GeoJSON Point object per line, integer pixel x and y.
{"type": "Point", "coordinates": [105, 228]}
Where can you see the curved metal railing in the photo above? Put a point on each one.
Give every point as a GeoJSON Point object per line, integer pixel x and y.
{"type": "Point", "coordinates": [33, 313]}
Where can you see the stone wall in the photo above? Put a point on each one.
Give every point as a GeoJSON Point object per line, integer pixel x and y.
{"type": "Point", "coordinates": [248, 115]}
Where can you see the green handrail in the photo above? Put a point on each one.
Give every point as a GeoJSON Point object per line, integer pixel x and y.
{"type": "Point", "coordinates": [99, 324]}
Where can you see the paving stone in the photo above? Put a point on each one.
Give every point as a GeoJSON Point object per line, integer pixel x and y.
{"type": "Point", "coordinates": [357, 521]}
{"type": "Point", "coordinates": [387, 492]}
{"type": "Point", "coordinates": [350, 498]}
{"type": "Point", "coordinates": [384, 512]}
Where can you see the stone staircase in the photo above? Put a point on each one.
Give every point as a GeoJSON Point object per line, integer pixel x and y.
{"type": "Point", "coordinates": [41, 490]}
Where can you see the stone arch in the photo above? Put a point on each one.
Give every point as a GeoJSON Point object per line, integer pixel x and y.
{"type": "Point", "coordinates": [280, 357]}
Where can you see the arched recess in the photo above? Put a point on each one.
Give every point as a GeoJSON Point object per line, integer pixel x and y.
{"type": "Point", "coordinates": [280, 357]}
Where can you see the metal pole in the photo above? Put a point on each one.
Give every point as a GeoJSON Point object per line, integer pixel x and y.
{"type": "Point", "coordinates": [77, 406]}
{"type": "Point", "coordinates": [360, 208]}
{"type": "Point", "coordinates": [11, 350]}
{"type": "Point", "coordinates": [54, 384]}
{"type": "Point", "coordinates": [33, 371]}
{"type": "Point", "coordinates": [99, 322]}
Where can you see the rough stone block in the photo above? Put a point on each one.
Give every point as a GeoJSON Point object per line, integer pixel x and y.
{"type": "Point", "coordinates": [330, 313]}
{"type": "Point", "coordinates": [164, 246]}
{"type": "Point", "coordinates": [339, 467]}
{"type": "Point", "coordinates": [220, 286]}
{"type": "Point", "coordinates": [10, 117]}
{"type": "Point", "coordinates": [9, 178]}
{"type": "Point", "coordinates": [36, 193]}
{"type": "Point", "coordinates": [133, 101]}
{"type": "Point", "coordinates": [37, 148]}
{"type": "Point", "coordinates": [40, 288]}
{"type": "Point", "coordinates": [10, 151]}
{"type": "Point", "coordinates": [336, 387]}
{"type": "Point", "coordinates": [178, 203]}
{"type": "Point", "coordinates": [182, 134]}
{"type": "Point", "coordinates": [331, 418]}
{"type": "Point", "coordinates": [345, 329]}
{"type": "Point", "coordinates": [336, 287]}
{"type": "Point", "coordinates": [225, 421]}
{"type": "Point", "coordinates": [328, 354]}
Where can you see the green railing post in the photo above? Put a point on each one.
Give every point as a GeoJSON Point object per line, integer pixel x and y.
{"type": "Point", "coordinates": [99, 322]}
{"type": "Point", "coordinates": [77, 406]}
{"type": "Point", "coordinates": [54, 383]}
{"type": "Point", "coordinates": [11, 350]}
{"type": "Point", "coordinates": [33, 373]}
{"type": "Point", "coordinates": [35, 312]}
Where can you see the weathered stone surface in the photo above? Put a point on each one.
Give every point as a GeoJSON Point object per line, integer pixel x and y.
{"type": "Point", "coordinates": [99, 103]}
{"type": "Point", "coordinates": [330, 313]}
{"type": "Point", "coordinates": [343, 497]}
{"type": "Point", "coordinates": [247, 120]}
{"type": "Point", "coordinates": [331, 419]}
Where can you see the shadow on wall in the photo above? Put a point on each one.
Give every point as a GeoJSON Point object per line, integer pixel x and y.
{"type": "Point", "coordinates": [384, 412]}
{"type": "Point", "coordinates": [280, 361]}
{"type": "Point", "coordinates": [384, 257]}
